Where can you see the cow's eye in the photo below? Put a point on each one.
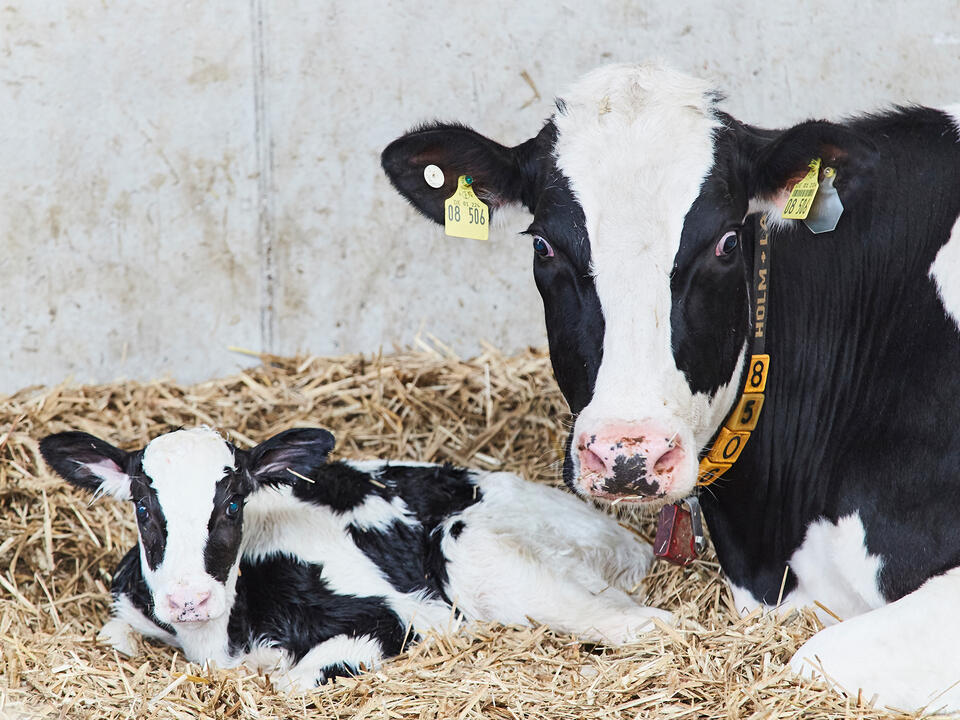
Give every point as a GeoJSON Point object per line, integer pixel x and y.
{"type": "Point", "coordinates": [142, 512]}
{"type": "Point", "coordinates": [727, 243]}
{"type": "Point", "coordinates": [232, 508]}
{"type": "Point", "coordinates": [541, 247]}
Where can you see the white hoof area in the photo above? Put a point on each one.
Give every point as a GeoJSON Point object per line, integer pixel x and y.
{"type": "Point", "coordinates": [118, 635]}
{"type": "Point", "coordinates": [635, 625]}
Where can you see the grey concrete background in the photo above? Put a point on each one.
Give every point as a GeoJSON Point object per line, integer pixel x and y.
{"type": "Point", "coordinates": [181, 177]}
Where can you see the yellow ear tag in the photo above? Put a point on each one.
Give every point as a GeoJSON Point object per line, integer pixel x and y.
{"type": "Point", "coordinates": [803, 193]}
{"type": "Point", "coordinates": [465, 215]}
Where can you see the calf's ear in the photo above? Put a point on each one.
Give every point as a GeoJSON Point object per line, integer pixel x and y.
{"type": "Point", "coordinates": [88, 463]}
{"type": "Point", "coordinates": [292, 453]}
{"type": "Point", "coordinates": [775, 166]}
{"type": "Point", "coordinates": [501, 175]}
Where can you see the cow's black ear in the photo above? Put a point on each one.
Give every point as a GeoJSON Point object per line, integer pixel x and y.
{"type": "Point", "coordinates": [501, 175]}
{"type": "Point", "coordinates": [289, 455]}
{"type": "Point", "coordinates": [775, 166]}
{"type": "Point", "coordinates": [88, 463]}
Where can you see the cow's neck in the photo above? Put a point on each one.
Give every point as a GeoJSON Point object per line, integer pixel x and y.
{"type": "Point", "coordinates": [843, 319]}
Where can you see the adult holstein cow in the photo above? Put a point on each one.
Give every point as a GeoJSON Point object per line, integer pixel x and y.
{"type": "Point", "coordinates": [647, 202]}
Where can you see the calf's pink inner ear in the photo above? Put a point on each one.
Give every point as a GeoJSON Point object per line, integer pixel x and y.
{"type": "Point", "coordinates": [114, 481]}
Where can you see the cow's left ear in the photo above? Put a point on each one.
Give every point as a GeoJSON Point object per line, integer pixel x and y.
{"type": "Point", "coordinates": [289, 455]}
{"type": "Point", "coordinates": [776, 165]}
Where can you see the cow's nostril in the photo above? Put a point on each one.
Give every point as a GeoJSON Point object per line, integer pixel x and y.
{"type": "Point", "coordinates": [669, 460]}
{"type": "Point", "coordinates": [591, 462]}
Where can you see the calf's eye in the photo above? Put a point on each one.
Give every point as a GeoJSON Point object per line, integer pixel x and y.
{"type": "Point", "coordinates": [232, 508]}
{"type": "Point", "coordinates": [541, 247]}
{"type": "Point", "coordinates": [727, 243]}
{"type": "Point", "coordinates": [142, 513]}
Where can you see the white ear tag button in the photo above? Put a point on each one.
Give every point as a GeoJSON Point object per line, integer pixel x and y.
{"type": "Point", "coordinates": [433, 175]}
{"type": "Point", "coordinates": [826, 209]}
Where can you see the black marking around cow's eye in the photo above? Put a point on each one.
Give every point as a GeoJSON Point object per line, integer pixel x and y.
{"type": "Point", "coordinates": [151, 522]}
{"type": "Point", "coordinates": [224, 528]}
{"type": "Point", "coordinates": [286, 602]}
{"type": "Point", "coordinates": [456, 528]}
{"type": "Point", "coordinates": [709, 315]}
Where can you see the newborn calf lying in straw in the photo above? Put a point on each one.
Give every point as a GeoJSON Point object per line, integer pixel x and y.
{"type": "Point", "coordinates": [307, 569]}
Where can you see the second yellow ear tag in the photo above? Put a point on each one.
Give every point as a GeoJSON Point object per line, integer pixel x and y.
{"type": "Point", "coordinates": [801, 197]}
{"type": "Point", "coordinates": [465, 215]}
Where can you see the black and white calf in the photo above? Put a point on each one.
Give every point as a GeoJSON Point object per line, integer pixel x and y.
{"type": "Point", "coordinates": [276, 558]}
{"type": "Point", "coordinates": [646, 202]}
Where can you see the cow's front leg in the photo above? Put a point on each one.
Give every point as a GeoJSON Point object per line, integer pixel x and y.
{"type": "Point", "coordinates": [907, 653]}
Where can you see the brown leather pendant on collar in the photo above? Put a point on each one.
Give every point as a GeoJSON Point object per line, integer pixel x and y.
{"type": "Point", "coordinates": [679, 532]}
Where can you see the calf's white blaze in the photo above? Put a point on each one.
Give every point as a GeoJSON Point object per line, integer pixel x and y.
{"type": "Point", "coordinates": [636, 143]}
{"type": "Point", "coordinates": [184, 467]}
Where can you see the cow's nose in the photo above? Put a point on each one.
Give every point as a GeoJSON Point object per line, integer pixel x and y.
{"type": "Point", "coordinates": [189, 606]}
{"type": "Point", "coordinates": [622, 459]}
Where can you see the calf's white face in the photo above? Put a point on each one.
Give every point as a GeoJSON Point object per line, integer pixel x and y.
{"type": "Point", "coordinates": [184, 469]}
{"type": "Point", "coordinates": [188, 489]}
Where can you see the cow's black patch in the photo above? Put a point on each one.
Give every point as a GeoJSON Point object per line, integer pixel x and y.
{"type": "Point", "coordinates": [338, 486]}
{"type": "Point", "coordinates": [128, 581]}
{"type": "Point", "coordinates": [286, 602]}
{"type": "Point", "coordinates": [400, 552]}
{"type": "Point", "coordinates": [409, 553]}
{"type": "Point", "coordinates": [225, 526]}
{"type": "Point", "coordinates": [457, 528]}
{"type": "Point", "coordinates": [151, 521]}
{"type": "Point", "coordinates": [432, 493]}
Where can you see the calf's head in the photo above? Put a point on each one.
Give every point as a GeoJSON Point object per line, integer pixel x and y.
{"type": "Point", "coordinates": [640, 187]}
{"type": "Point", "coordinates": [188, 490]}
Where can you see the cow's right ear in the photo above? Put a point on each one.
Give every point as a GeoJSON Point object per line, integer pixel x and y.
{"type": "Point", "coordinates": [88, 463]}
{"type": "Point", "coordinates": [501, 175]}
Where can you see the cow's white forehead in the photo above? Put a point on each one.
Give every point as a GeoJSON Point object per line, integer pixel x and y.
{"type": "Point", "coordinates": [180, 460]}
{"type": "Point", "coordinates": [636, 143]}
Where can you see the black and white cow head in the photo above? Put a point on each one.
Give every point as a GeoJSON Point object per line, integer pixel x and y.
{"type": "Point", "coordinates": [640, 187]}
{"type": "Point", "coordinates": [188, 489]}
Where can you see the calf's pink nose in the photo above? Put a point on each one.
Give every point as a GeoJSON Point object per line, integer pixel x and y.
{"type": "Point", "coordinates": [629, 459]}
{"type": "Point", "coordinates": [189, 606]}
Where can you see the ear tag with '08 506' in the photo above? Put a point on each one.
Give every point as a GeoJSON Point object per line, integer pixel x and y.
{"type": "Point", "coordinates": [827, 208]}
{"type": "Point", "coordinates": [465, 215]}
{"type": "Point", "coordinates": [801, 197]}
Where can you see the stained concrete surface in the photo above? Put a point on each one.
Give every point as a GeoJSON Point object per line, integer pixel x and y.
{"type": "Point", "coordinates": [182, 177]}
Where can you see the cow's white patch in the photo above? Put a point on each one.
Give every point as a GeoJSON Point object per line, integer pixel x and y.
{"type": "Point", "coordinates": [904, 653]}
{"type": "Point", "coordinates": [353, 652]}
{"type": "Point", "coordinates": [945, 273]}
{"type": "Point", "coordinates": [636, 143]}
{"type": "Point", "coordinates": [565, 565]}
{"type": "Point", "coordinates": [832, 567]}
{"type": "Point", "coordinates": [184, 468]}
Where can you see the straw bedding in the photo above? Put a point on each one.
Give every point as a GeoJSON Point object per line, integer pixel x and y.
{"type": "Point", "coordinates": [57, 553]}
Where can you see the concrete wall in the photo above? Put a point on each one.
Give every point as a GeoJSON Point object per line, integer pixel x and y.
{"type": "Point", "coordinates": [180, 177]}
